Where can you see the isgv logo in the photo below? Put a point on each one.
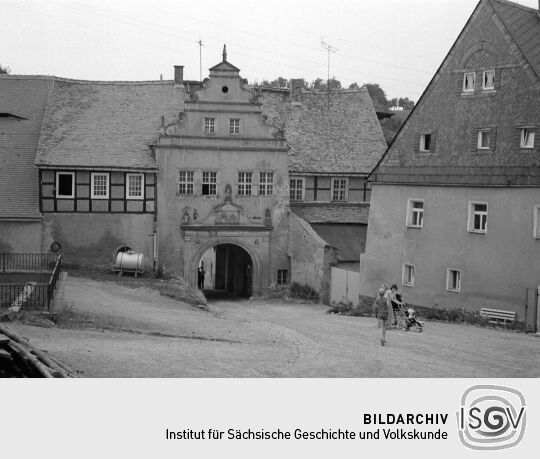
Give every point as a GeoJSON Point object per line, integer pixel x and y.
{"type": "Point", "coordinates": [491, 417]}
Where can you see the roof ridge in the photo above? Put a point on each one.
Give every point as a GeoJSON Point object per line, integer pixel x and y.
{"type": "Point", "coordinates": [509, 29]}
{"type": "Point", "coordinates": [518, 5]}
{"type": "Point", "coordinates": [74, 80]}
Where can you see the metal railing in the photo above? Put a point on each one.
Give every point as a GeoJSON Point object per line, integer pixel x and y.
{"type": "Point", "coordinates": [30, 295]}
{"type": "Point", "coordinates": [20, 262]}
{"type": "Point", "coordinates": [27, 295]}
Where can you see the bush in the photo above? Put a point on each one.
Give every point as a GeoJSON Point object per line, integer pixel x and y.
{"type": "Point", "coordinates": [304, 292]}
{"type": "Point", "coordinates": [349, 309]}
{"type": "Point", "coordinates": [460, 315]}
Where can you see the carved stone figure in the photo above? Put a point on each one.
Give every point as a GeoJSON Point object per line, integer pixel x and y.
{"type": "Point", "coordinates": [186, 219]}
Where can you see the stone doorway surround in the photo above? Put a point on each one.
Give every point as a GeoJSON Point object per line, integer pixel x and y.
{"type": "Point", "coordinates": [228, 224]}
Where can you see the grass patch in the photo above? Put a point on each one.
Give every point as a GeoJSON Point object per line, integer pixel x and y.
{"type": "Point", "coordinates": [166, 284]}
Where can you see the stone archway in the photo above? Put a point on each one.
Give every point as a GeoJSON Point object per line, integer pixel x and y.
{"type": "Point", "coordinates": [240, 271]}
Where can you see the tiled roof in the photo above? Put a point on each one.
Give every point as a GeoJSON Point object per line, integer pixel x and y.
{"type": "Point", "coordinates": [523, 23]}
{"type": "Point", "coordinates": [315, 212]}
{"type": "Point", "coordinates": [25, 97]}
{"type": "Point", "coordinates": [502, 28]}
{"type": "Point", "coordinates": [105, 124]}
{"type": "Point", "coordinates": [349, 239]}
{"type": "Point", "coordinates": [335, 133]}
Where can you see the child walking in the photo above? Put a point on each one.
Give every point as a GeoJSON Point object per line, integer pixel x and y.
{"type": "Point", "coordinates": [382, 306]}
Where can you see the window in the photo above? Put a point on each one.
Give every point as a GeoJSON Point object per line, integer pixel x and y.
{"type": "Point", "coordinates": [244, 183]}
{"type": "Point", "coordinates": [296, 189]}
{"type": "Point", "coordinates": [527, 138]}
{"type": "Point", "coordinates": [478, 213]}
{"type": "Point", "coordinates": [185, 183]}
{"type": "Point", "coordinates": [484, 140]}
{"type": "Point", "coordinates": [266, 183]}
{"type": "Point", "coordinates": [488, 80]}
{"type": "Point", "coordinates": [536, 224]}
{"type": "Point", "coordinates": [415, 214]}
{"type": "Point", "coordinates": [100, 185]}
{"type": "Point", "coordinates": [282, 276]}
{"type": "Point", "coordinates": [234, 126]}
{"type": "Point", "coordinates": [468, 82]}
{"type": "Point", "coordinates": [453, 280]}
{"type": "Point", "coordinates": [408, 275]}
{"type": "Point", "coordinates": [209, 125]}
{"type": "Point", "coordinates": [65, 185]}
{"type": "Point", "coordinates": [339, 189]}
{"type": "Point", "coordinates": [135, 185]}
{"type": "Point", "coordinates": [425, 142]}
{"type": "Point", "coordinates": [209, 180]}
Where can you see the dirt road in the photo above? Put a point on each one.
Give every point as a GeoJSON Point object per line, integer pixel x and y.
{"type": "Point", "coordinates": [130, 332]}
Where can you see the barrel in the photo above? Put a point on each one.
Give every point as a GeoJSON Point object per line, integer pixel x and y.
{"type": "Point", "coordinates": [129, 262]}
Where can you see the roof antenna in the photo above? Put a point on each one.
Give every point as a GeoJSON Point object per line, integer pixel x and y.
{"type": "Point", "coordinates": [329, 49]}
{"type": "Point", "coordinates": [224, 53]}
{"type": "Point", "coordinates": [200, 42]}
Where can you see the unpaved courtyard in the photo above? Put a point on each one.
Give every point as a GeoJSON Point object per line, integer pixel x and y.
{"type": "Point", "coordinates": [136, 332]}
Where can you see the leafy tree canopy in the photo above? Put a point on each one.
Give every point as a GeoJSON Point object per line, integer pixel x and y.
{"type": "Point", "coordinates": [4, 69]}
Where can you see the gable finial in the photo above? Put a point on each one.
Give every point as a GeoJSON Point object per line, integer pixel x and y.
{"type": "Point", "coordinates": [224, 53]}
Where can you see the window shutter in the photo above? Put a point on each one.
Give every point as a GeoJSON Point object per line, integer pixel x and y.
{"type": "Point", "coordinates": [516, 141]}
{"type": "Point", "coordinates": [474, 143]}
{"type": "Point", "coordinates": [536, 141]}
{"type": "Point", "coordinates": [497, 81]}
{"type": "Point", "coordinates": [493, 139]}
{"type": "Point", "coordinates": [433, 147]}
{"type": "Point", "coordinates": [459, 82]}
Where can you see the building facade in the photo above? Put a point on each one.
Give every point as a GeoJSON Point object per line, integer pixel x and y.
{"type": "Point", "coordinates": [191, 174]}
{"type": "Point", "coordinates": [335, 140]}
{"type": "Point", "coordinates": [454, 210]}
{"type": "Point", "coordinates": [223, 176]}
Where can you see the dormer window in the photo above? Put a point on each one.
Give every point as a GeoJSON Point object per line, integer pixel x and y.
{"type": "Point", "coordinates": [484, 140]}
{"type": "Point", "coordinates": [469, 81]}
{"type": "Point", "coordinates": [425, 142]}
{"type": "Point", "coordinates": [488, 80]}
{"type": "Point", "coordinates": [527, 138]}
{"type": "Point", "coordinates": [209, 125]}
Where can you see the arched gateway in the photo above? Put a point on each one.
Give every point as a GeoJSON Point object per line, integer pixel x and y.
{"type": "Point", "coordinates": [234, 269]}
{"type": "Point", "coordinates": [242, 249]}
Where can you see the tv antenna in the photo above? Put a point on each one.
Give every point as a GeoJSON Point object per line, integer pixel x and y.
{"type": "Point", "coordinates": [201, 44]}
{"type": "Point", "coordinates": [330, 49]}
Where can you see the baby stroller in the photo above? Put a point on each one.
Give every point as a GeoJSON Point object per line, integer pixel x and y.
{"type": "Point", "coordinates": [406, 319]}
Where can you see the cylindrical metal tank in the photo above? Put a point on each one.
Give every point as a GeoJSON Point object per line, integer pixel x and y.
{"type": "Point", "coordinates": [129, 262]}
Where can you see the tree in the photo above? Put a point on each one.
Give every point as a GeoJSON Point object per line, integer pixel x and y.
{"type": "Point", "coordinates": [318, 84]}
{"type": "Point", "coordinates": [323, 84]}
{"type": "Point", "coordinates": [354, 85]}
{"type": "Point", "coordinates": [406, 103]}
{"type": "Point", "coordinates": [5, 70]}
{"type": "Point", "coordinates": [378, 96]}
{"type": "Point", "coordinates": [280, 82]}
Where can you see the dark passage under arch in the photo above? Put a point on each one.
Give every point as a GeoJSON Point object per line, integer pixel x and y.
{"type": "Point", "coordinates": [228, 269]}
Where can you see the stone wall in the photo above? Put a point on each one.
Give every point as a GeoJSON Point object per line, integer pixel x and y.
{"type": "Point", "coordinates": [311, 257]}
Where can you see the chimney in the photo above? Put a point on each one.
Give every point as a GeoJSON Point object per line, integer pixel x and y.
{"type": "Point", "coordinates": [178, 75]}
{"type": "Point", "coordinates": [296, 89]}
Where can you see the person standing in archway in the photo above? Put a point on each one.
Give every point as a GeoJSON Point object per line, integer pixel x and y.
{"type": "Point", "coordinates": [200, 277]}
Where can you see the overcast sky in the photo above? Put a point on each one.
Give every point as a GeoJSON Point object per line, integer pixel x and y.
{"type": "Point", "coordinates": [396, 43]}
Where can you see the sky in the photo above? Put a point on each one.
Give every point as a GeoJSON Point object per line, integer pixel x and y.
{"type": "Point", "coordinates": [398, 44]}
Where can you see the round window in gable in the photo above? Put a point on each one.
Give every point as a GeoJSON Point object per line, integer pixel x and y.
{"type": "Point", "coordinates": [225, 89]}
